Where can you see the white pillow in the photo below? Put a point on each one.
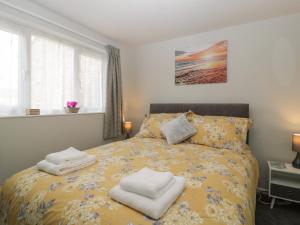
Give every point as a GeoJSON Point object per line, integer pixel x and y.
{"type": "Point", "coordinates": [178, 130]}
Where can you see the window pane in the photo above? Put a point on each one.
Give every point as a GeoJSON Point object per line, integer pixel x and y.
{"type": "Point", "coordinates": [9, 71]}
{"type": "Point", "coordinates": [91, 83]}
{"type": "Point", "coordinates": [52, 74]}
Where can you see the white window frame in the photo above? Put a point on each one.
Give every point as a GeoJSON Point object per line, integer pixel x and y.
{"type": "Point", "coordinates": [25, 33]}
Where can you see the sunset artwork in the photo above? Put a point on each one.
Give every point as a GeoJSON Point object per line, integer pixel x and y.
{"type": "Point", "coordinates": [208, 65]}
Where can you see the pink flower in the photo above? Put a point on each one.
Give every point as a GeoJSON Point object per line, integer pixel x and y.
{"type": "Point", "coordinates": [71, 104]}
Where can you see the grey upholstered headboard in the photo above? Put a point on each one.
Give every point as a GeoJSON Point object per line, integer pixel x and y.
{"type": "Point", "coordinates": [235, 110]}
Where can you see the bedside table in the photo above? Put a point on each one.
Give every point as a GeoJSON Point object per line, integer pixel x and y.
{"type": "Point", "coordinates": [284, 182]}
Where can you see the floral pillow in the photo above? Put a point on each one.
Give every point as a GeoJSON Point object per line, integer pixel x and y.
{"type": "Point", "coordinates": [152, 124]}
{"type": "Point", "coordinates": [220, 131]}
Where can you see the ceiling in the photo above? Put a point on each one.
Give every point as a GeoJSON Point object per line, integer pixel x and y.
{"type": "Point", "coordinates": [137, 22]}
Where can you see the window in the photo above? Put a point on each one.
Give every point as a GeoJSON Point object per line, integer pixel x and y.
{"type": "Point", "coordinates": [52, 74]}
{"type": "Point", "coordinates": [91, 83]}
{"type": "Point", "coordinates": [58, 71]}
{"type": "Point", "coordinates": [9, 72]}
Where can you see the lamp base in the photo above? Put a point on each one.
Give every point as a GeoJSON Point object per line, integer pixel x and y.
{"type": "Point", "coordinates": [296, 162]}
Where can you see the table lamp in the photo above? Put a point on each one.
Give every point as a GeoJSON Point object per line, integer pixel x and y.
{"type": "Point", "coordinates": [296, 148]}
{"type": "Point", "coordinates": [127, 128]}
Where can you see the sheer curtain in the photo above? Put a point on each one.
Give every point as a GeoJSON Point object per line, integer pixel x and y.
{"type": "Point", "coordinates": [52, 74]}
{"type": "Point", "coordinates": [41, 71]}
{"type": "Point", "coordinates": [92, 69]}
{"type": "Point", "coordinates": [9, 73]}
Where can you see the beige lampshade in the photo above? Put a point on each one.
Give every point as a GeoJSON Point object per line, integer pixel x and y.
{"type": "Point", "coordinates": [128, 126]}
{"type": "Point", "coordinates": [296, 142]}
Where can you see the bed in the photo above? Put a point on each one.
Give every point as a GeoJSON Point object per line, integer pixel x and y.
{"type": "Point", "coordinates": [220, 184]}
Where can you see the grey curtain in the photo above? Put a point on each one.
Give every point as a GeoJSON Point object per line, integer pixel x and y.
{"type": "Point", "coordinates": [113, 119]}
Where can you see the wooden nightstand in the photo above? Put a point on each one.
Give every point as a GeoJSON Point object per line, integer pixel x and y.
{"type": "Point", "coordinates": [284, 182]}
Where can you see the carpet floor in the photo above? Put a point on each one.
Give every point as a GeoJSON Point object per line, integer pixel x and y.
{"type": "Point", "coordinates": [283, 213]}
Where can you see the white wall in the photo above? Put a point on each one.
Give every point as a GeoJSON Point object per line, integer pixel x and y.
{"type": "Point", "coordinates": [26, 140]}
{"type": "Point", "coordinates": [263, 70]}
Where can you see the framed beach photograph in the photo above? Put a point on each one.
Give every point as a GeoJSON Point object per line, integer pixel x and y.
{"type": "Point", "coordinates": [202, 66]}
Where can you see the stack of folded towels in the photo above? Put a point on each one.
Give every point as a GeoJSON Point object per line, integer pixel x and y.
{"type": "Point", "coordinates": [148, 191]}
{"type": "Point", "coordinates": [66, 161]}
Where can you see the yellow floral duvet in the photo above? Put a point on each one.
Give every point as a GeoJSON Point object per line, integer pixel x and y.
{"type": "Point", "coordinates": [220, 187]}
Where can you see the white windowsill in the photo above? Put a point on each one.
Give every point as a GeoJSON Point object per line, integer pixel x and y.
{"type": "Point", "coordinates": [48, 115]}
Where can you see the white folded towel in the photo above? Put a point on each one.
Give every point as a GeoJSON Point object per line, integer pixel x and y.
{"type": "Point", "coordinates": [147, 182]}
{"type": "Point", "coordinates": [64, 168]}
{"type": "Point", "coordinates": [153, 208]}
{"type": "Point", "coordinates": [65, 156]}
